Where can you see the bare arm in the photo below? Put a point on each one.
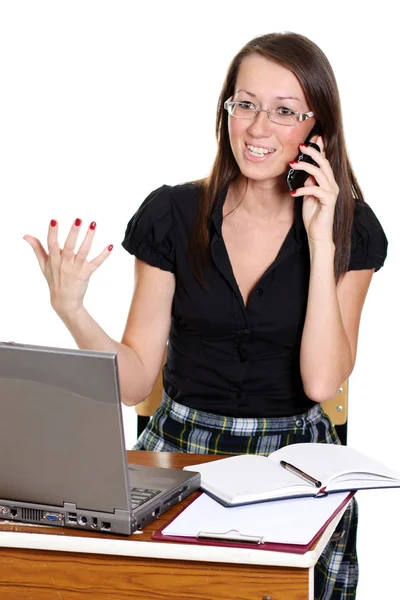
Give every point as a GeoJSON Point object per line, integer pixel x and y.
{"type": "Point", "coordinates": [142, 347]}
{"type": "Point", "coordinates": [329, 341]}
{"type": "Point", "coordinates": [147, 328]}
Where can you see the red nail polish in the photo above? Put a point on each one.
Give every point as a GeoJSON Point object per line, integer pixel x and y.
{"type": "Point", "coordinates": [53, 223]}
{"type": "Point", "coordinates": [78, 222]}
{"type": "Point", "coordinates": [110, 247]}
{"type": "Point", "coordinates": [293, 192]}
{"type": "Point", "coordinates": [293, 162]}
{"type": "Point", "coordinates": [92, 225]}
{"type": "Point", "coordinates": [303, 145]}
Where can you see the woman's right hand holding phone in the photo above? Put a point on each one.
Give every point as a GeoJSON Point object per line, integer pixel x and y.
{"type": "Point", "coordinates": [67, 273]}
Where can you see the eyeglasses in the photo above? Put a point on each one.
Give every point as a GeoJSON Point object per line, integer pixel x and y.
{"type": "Point", "coordinates": [243, 109]}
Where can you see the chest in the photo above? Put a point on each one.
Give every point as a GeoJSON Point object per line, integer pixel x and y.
{"type": "Point", "coordinates": [256, 279]}
{"type": "Point", "coordinates": [252, 250]}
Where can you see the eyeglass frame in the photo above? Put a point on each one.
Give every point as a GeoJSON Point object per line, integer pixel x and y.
{"type": "Point", "coordinates": [302, 116]}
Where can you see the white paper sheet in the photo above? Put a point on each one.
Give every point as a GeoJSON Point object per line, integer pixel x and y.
{"type": "Point", "coordinates": [294, 521]}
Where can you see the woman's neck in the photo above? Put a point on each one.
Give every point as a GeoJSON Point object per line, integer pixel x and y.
{"type": "Point", "coordinates": [264, 200]}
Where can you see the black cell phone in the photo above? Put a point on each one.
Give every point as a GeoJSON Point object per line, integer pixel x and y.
{"type": "Point", "coordinates": [296, 179]}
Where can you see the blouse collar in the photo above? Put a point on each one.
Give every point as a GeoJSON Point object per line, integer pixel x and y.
{"type": "Point", "coordinates": [298, 229]}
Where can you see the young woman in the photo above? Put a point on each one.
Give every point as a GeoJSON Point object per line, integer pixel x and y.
{"type": "Point", "coordinates": [258, 290]}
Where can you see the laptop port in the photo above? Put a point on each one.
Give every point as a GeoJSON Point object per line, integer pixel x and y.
{"type": "Point", "coordinates": [13, 512]}
{"type": "Point", "coordinates": [71, 518]}
{"type": "Point", "coordinates": [94, 522]}
{"type": "Point", "coordinates": [105, 526]}
{"type": "Point", "coordinates": [53, 516]}
{"type": "Point", "coordinates": [82, 520]}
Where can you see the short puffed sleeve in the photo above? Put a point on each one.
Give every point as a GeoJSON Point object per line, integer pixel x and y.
{"type": "Point", "coordinates": [368, 240]}
{"type": "Point", "coordinates": [149, 233]}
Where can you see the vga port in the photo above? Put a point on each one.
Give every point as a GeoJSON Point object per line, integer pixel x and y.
{"type": "Point", "coordinates": [50, 516]}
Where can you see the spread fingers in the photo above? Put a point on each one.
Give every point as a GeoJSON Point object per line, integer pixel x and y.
{"type": "Point", "coordinates": [38, 249]}
{"type": "Point", "coordinates": [70, 242]}
{"type": "Point", "coordinates": [86, 245]}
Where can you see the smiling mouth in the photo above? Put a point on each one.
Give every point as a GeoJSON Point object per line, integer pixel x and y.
{"type": "Point", "coordinates": [259, 152]}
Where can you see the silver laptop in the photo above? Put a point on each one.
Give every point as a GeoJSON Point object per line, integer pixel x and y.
{"type": "Point", "coordinates": [62, 448]}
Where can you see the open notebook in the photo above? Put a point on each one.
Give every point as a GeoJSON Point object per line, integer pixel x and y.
{"type": "Point", "coordinates": [293, 471]}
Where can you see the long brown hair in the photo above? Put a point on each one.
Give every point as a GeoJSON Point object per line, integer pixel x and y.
{"type": "Point", "coordinates": [313, 70]}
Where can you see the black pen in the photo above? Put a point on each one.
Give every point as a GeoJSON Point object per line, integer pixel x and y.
{"type": "Point", "coordinates": [301, 474]}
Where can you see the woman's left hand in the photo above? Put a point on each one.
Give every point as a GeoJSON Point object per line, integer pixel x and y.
{"type": "Point", "coordinates": [319, 200]}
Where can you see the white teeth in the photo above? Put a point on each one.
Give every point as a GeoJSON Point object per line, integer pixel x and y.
{"type": "Point", "coordinates": [254, 151]}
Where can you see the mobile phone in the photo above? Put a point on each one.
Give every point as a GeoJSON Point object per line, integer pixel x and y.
{"type": "Point", "coordinates": [296, 179]}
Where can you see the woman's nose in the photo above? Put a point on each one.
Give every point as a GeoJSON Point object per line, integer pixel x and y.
{"type": "Point", "coordinates": [261, 125]}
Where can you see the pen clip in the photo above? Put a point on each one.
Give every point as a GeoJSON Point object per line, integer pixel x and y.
{"type": "Point", "coordinates": [233, 535]}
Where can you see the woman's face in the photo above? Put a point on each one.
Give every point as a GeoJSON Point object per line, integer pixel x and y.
{"type": "Point", "coordinates": [268, 85]}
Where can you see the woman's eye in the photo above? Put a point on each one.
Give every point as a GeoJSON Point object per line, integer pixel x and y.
{"type": "Point", "coordinates": [285, 112]}
{"type": "Point", "coordinates": [246, 106]}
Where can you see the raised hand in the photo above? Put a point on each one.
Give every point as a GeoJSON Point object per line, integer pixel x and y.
{"type": "Point", "coordinates": [320, 193]}
{"type": "Point", "coordinates": [67, 273]}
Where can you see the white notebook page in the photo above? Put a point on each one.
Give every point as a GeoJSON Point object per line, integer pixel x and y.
{"type": "Point", "coordinates": [325, 461]}
{"type": "Point", "coordinates": [294, 521]}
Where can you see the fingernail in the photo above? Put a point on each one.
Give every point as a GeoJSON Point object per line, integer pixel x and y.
{"type": "Point", "coordinates": [92, 225]}
{"type": "Point", "coordinates": [53, 223]}
{"type": "Point", "coordinates": [293, 192]}
{"type": "Point", "coordinates": [78, 222]}
{"type": "Point", "coordinates": [293, 162]}
{"type": "Point", "coordinates": [303, 145]}
{"type": "Point", "coordinates": [110, 247]}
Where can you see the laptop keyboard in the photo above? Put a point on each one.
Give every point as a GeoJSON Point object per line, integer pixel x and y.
{"type": "Point", "coordinates": [140, 495]}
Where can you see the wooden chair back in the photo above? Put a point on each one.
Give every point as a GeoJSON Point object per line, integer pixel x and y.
{"type": "Point", "coordinates": [336, 408]}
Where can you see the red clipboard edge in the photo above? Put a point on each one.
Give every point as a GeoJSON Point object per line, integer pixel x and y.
{"type": "Point", "coordinates": [271, 546]}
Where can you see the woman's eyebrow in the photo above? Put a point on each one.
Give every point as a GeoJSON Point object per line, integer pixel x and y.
{"type": "Point", "coordinates": [249, 93]}
{"type": "Point", "coordinates": [287, 98]}
{"type": "Point", "coordinates": [276, 97]}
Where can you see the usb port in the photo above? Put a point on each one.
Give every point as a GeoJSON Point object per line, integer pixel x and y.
{"type": "Point", "coordinates": [72, 518]}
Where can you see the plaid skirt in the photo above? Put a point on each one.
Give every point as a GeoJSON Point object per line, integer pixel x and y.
{"type": "Point", "coordinates": [177, 428]}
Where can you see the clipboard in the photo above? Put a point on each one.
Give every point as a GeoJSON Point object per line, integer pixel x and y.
{"type": "Point", "coordinates": [235, 539]}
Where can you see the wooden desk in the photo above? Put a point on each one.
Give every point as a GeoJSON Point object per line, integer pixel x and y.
{"type": "Point", "coordinates": [50, 563]}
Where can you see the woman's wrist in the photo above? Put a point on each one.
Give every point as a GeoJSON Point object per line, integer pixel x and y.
{"type": "Point", "coordinates": [322, 251]}
{"type": "Point", "coordinates": [74, 318]}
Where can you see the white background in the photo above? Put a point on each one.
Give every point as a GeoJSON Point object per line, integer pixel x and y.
{"type": "Point", "coordinates": [103, 101]}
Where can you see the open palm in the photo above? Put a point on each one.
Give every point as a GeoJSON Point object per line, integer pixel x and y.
{"type": "Point", "coordinates": [67, 273]}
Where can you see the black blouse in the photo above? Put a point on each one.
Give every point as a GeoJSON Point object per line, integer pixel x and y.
{"type": "Point", "coordinates": [225, 357]}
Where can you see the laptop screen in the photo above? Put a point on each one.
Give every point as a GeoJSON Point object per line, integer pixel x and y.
{"type": "Point", "coordinates": [61, 429]}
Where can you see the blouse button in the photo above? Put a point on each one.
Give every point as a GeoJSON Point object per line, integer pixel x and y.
{"type": "Point", "coordinates": [259, 291]}
{"type": "Point", "coordinates": [247, 331]}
